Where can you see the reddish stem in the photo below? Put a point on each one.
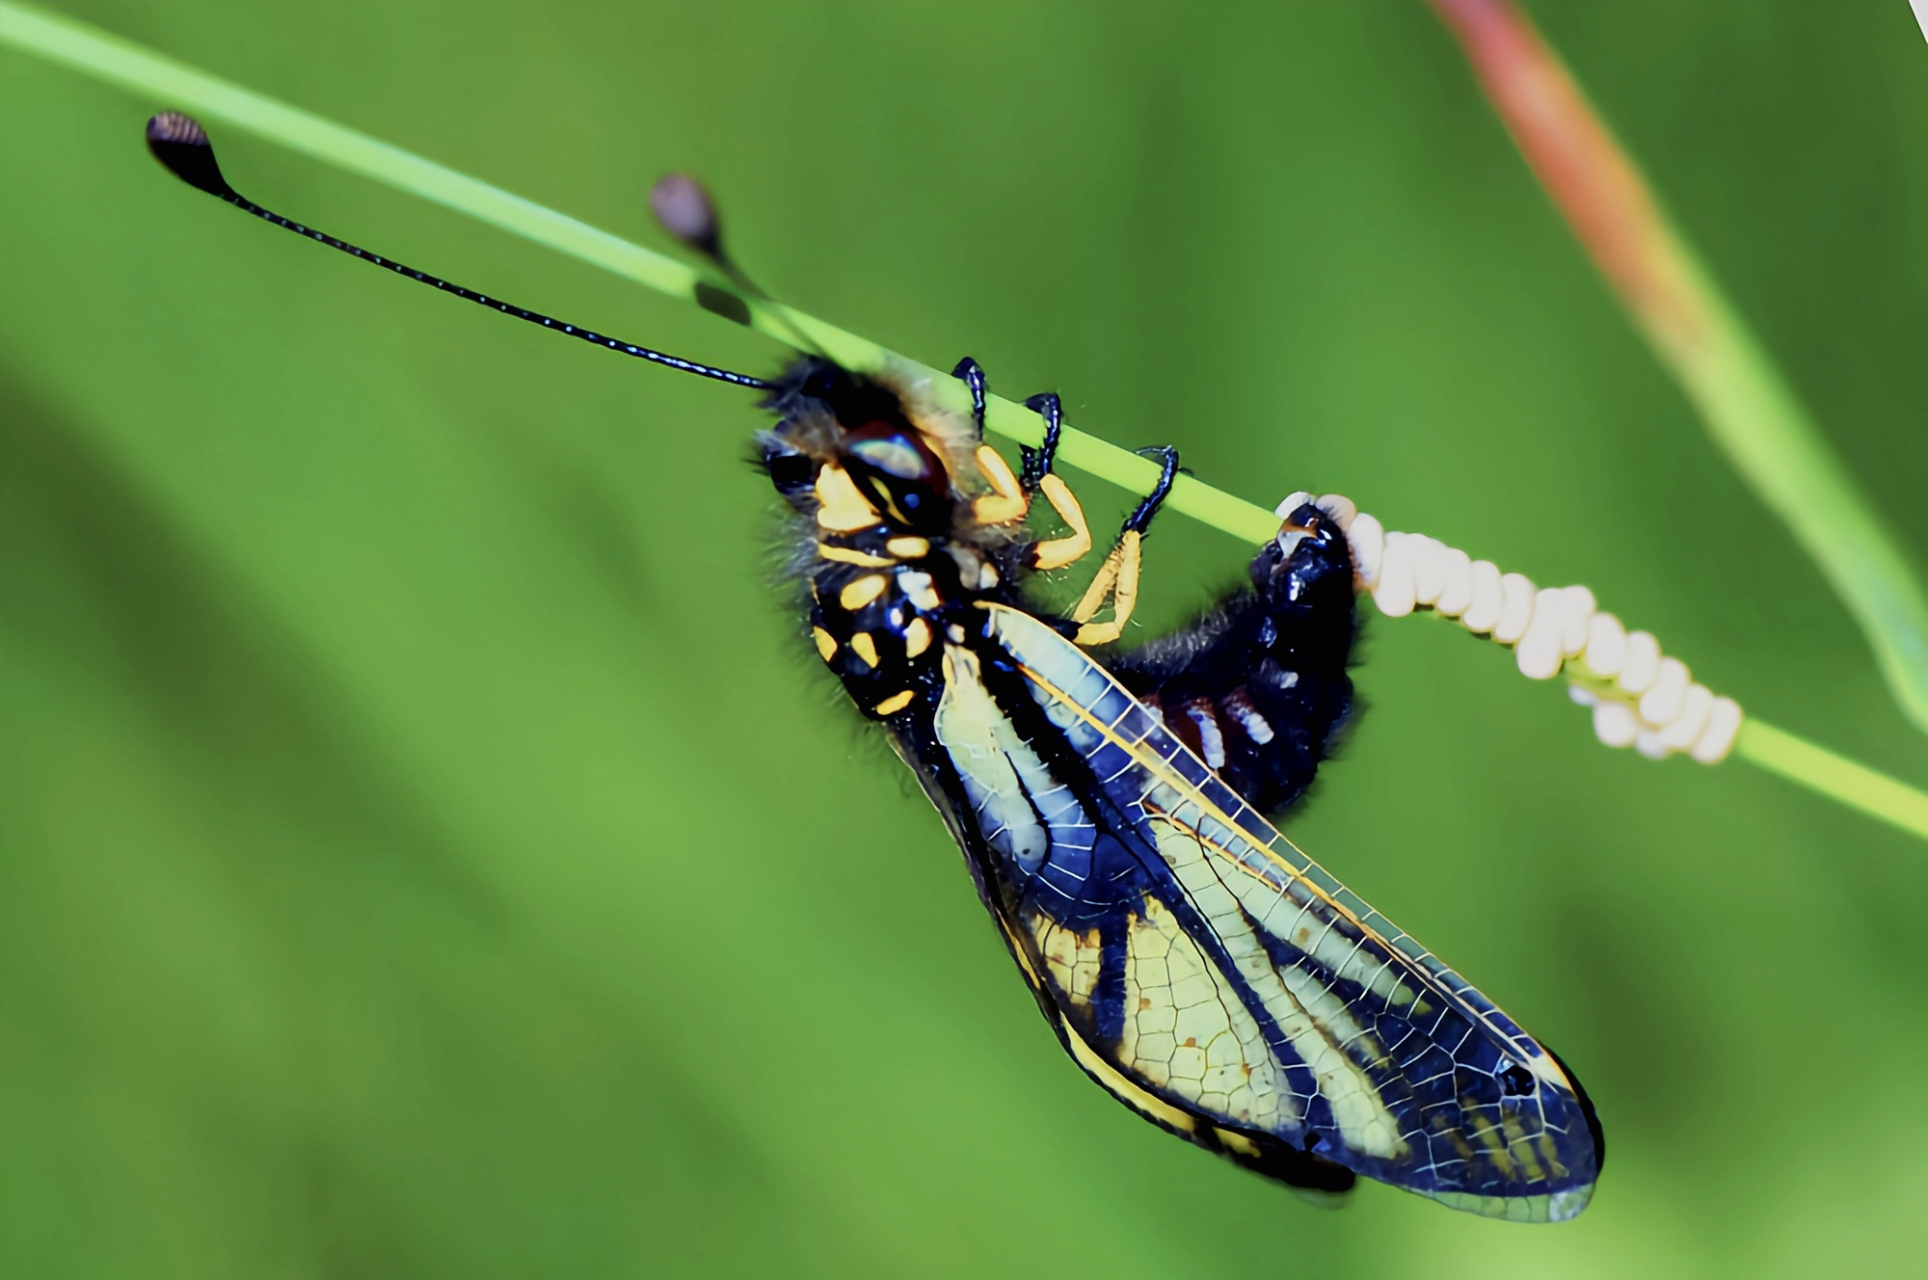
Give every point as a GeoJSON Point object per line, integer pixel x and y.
{"type": "Point", "coordinates": [1582, 167]}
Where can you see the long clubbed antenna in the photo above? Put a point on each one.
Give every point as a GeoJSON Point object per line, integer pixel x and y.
{"type": "Point", "coordinates": [182, 146]}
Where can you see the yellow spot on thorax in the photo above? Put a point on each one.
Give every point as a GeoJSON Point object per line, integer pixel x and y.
{"type": "Point", "coordinates": [909, 547]}
{"type": "Point", "coordinates": [917, 637]}
{"type": "Point", "coordinates": [859, 592]}
{"type": "Point", "coordinates": [894, 703]}
{"type": "Point", "coordinates": [841, 507]}
{"type": "Point", "coordinates": [864, 647]}
{"type": "Point", "coordinates": [849, 555]}
{"type": "Point", "coordinates": [973, 568]}
{"type": "Point", "coordinates": [826, 643]}
{"type": "Point", "coordinates": [919, 590]}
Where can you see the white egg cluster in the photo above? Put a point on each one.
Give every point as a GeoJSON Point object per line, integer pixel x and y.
{"type": "Point", "coordinates": [1640, 697]}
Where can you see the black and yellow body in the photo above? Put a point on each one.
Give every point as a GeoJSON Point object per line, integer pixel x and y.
{"type": "Point", "coordinates": [1111, 811]}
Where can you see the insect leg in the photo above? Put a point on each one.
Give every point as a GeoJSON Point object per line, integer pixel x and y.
{"type": "Point", "coordinates": [1010, 497]}
{"type": "Point", "coordinates": [1154, 502]}
{"type": "Point", "coordinates": [1007, 500]}
{"type": "Point", "coordinates": [1056, 553]}
{"type": "Point", "coordinates": [1038, 461]}
{"type": "Point", "coordinates": [972, 374]}
{"type": "Point", "coordinates": [1117, 578]}
{"type": "Point", "coordinates": [1116, 582]}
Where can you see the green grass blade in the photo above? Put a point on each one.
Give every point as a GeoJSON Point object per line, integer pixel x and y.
{"type": "Point", "coordinates": [173, 84]}
{"type": "Point", "coordinates": [1834, 776]}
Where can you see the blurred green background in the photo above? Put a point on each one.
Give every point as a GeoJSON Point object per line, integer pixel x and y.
{"type": "Point", "coordinates": [426, 847]}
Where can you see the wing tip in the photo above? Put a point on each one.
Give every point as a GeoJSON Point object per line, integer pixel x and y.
{"type": "Point", "coordinates": [1587, 1112]}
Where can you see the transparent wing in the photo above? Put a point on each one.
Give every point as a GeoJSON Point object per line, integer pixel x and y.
{"type": "Point", "coordinates": [1210, 974]}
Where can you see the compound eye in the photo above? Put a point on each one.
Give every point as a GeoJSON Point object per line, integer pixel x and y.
{"type": "Point", "coordinates": [791, 473]}
{"type": "Point", "coordinates": [894, 455]}
{"type": "Point", "coordinates": [899, 473]}
{"type": "Point", "coordinates": [894, 449]}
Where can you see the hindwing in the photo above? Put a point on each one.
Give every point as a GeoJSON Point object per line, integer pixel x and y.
{"type": "Point", "coordinates": [1208, 973]}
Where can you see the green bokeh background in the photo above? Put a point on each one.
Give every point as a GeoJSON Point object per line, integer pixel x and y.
{"type": "Point", "coordinates": [426, 847]}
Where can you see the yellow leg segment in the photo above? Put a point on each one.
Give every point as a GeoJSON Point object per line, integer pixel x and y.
{"type": "Point", "coordinates": [1100, 586]}
{"type": "Point", "coordinates": [1116, 581]}
{"type": "Point", "coordinates": [1007, 500]}
{"type": "Point", "coordinates": [1059, 552]}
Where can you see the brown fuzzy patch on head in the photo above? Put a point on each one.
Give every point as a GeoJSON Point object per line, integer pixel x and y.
{"type": "Point", "coordinates": [816, 402]}
{"type": "Point", "coordinates": [921, 467]}
{"type": "Point", "coordinates": [951, 435]}
{"type": "Point", "coordinates": [809, 426]}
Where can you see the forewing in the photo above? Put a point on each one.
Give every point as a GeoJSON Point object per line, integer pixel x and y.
{"type": "Point", "coordinates": [1215, 978]}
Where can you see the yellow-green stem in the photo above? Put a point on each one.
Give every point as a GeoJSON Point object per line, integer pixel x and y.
{"type": "Point", "coordinates": [1836, 777]}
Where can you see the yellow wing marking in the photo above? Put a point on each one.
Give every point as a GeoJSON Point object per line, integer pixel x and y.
{"type": "Point", "coordinates": [1132, 1095]}
{"type": "Point", "coordinates": [1522, 1148]}
{"type": "Point", "coordinates": [1177, 782]}
{"type": "Point", "coordinates": [1183, 1031]}
{"type": "Point", "coordinates": [1159, 769]}
{"type": "Point", "coordinates": [1327, 948]}
{"type": "Point", "coordinates": [1072, 959]}
{"type": "Point", "coordinates": [1312, 1018]}
{"type": "Point", "coordinates": [1124, 1089]}
{"type": "Point", "coordinates": [1022, 952]}
{"type": "Point", "coordinates": [1157, 766]}
{"type": "Point", "coordinates": [996, 765]}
